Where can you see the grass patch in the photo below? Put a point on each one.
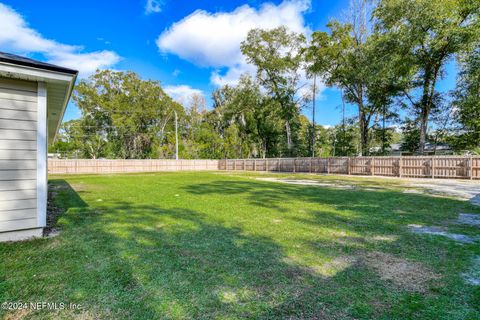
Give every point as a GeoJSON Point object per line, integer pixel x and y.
{"type": "Point", "coordinates": [226, 246]}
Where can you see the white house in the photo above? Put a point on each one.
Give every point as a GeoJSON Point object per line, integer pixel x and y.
{"type": "Point", "coordinates": [33, 97]}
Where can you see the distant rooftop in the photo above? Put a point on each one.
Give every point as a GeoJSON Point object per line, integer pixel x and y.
{"type": "Point", "coordinates": [18, 60]}
{"type": "Point", "coordinates": [428, 146]}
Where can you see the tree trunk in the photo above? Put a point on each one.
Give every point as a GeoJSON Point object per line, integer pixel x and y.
{"type": "Point", "coordinates": [289, 136]}
{"type": "Point", "coordinates": [426, 105]}
{"type": "Point", "coordinates": [362, 121]}
{"type": "Point", "coordinates": [423, 130]}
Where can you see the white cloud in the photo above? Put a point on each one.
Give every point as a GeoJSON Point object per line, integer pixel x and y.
{"type": "Point", "coordinates": [232, 75]}
{"type": "Point", "coordinates": [87, 63]}
{"type": "Point", "coordinates": [182, 93]}
{"type": "Point", "coordinates": [17, 37]}
{"type": "Point", "coordinates": [153, 6]}
{"type": "Point", "coordinates": [213, 39]}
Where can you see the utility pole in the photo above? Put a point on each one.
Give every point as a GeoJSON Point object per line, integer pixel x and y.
{"type": "Point", "coordinates": [176, 135]}
{"type": "Point", "coordinates": [383, 130]}
{"type": "Point", "coordinates": [343, 124]}
{"type": "Point", "coordinates": [313, 115]}
{"type": "Point", "coordinates": [334, 140]}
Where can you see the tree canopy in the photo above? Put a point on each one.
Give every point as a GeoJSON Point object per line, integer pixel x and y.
{"type": "Point", "coordinates": [386, 58]}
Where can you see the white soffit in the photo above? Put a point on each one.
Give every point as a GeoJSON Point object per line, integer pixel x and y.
{"type": "Point", "coordinates": [59, 89]}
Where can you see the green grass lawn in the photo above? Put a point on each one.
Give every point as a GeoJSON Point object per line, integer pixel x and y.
{"type": "Point", "coordinates": [228, 246]}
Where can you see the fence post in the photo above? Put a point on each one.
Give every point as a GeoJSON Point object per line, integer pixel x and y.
{"type": "Point", "coordinates": [234, 164]}
{"type": "Point", "coordinates": [400, 162]}
{"type": "Point", "coordinates": [328, 165]}
{"type": "Point", "coordinates": [254, 164]}
{"type": "Point", "coordinates": [372, 166]}
{"type": "Point", "coordinates": [348, 166]}
{"type": "Point", "coordinates": [432, 167]}
{"type": "Point", "coordinates": [470, 166]}
{"type": "Point", "coordinates": [295, 165]}
{"type": "Point", "coordinates": [311, 160]}
{"type": "Point", "coordinates": [279, 165]}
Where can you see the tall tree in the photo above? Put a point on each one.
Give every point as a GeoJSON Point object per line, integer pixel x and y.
{"type": "Point", "coordinates": [343, 139]}
{"type": "Point", "coordinates": [349, 58]}
{"type": "Point", "coordinates": [253, 113]}
{"type": "Point", "coordinates": [411, 135]}
{"type": "Point", "coordinates": [68, 141]}
{"type": "Point", "coordinates": [123, 116]}
{"type": "Point", "coordinates": [467, 102]}
{"type": "Point", "coordinates": [278, 57]}
{"type": "Point", "coordinates": [424, 35]}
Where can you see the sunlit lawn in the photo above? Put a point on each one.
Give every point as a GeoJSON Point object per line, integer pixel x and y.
{"type": "Point", "coordinates": [224, 246]}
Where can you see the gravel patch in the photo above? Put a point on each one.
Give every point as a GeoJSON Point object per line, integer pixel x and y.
{"type": "Point", "coordinates": [476, 200]}
{"type": "Point", "coordinates": [53, 213]}
{"type": "Point", "coordinates": [469, 218]}
{"type": "Point", "coordinates": [466, 190]}
{"type": "Point", "coordinates": [441, 232]}
{"type": "Point", "coordinates": [413, 191]}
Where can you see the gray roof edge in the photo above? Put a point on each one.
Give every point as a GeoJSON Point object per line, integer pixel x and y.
{"type": "Point", "coordinates": [19, 60]}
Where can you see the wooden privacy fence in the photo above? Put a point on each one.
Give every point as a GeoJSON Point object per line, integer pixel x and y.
{"type": "Point", "coordinates": [460, 167]}
{"type": "Point", "coordinates": [409, 167]}
{"type": "Point", "coordinates": [57, 166]}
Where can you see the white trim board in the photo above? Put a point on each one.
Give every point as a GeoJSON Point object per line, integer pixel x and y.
{"type": "Point", "coordinates": [42, 155]}
{"type": "Point", "coordinates": [16, 71]}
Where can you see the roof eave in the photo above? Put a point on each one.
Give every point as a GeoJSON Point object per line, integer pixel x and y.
{"type": "Point", "coordinates": [64, 107]}
{"type": "Point", "coordinates": [24, 72]}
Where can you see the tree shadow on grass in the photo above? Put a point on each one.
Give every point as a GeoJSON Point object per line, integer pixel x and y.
{"type": "Point", "coordinates": [382, 206]}
{"type": "Point", "coordinates": [377, 218]}
{"type": "Point", "coordinates": [143, 261]}
{"type": "Point", "coordinates": [135, 261]}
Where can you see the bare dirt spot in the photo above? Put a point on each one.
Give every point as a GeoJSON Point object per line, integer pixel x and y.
{"type": "Point", "coordinates": [408, 275]}
{"type": "Point", "coordinates": [334, 266]}
{"type": "Point", "coordinates": [17, 314]}
{"type": "Point", "coordinates": [326, 314]}
{"type": "Point", "coordinates": [438, 231]}
{"type": "Point", "coordinates": [79, 315]}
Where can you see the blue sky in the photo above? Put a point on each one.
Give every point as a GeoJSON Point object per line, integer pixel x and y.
{"type": "Point", "coordinates": [189, 46]}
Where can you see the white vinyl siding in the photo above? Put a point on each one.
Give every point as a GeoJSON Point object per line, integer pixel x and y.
{"type": "Point", "coordinates": [18, 155]}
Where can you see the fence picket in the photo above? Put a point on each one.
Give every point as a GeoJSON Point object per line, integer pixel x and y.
{"type": "Point", "coordinates": [415, 167]}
